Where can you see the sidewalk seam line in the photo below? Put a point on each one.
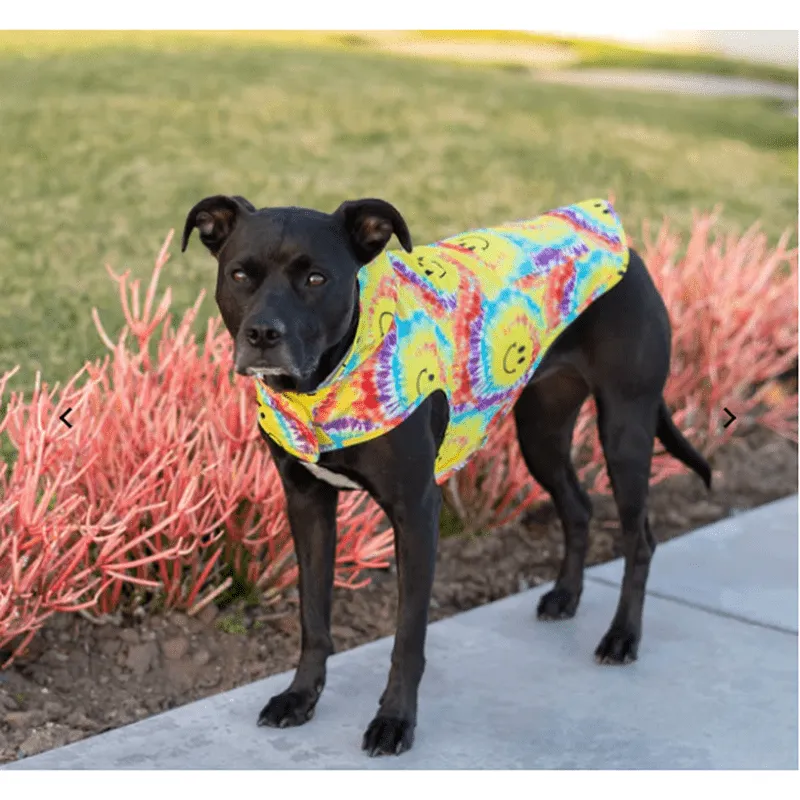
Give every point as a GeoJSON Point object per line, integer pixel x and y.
{"type": "Point", "coordinates": [715, 612]}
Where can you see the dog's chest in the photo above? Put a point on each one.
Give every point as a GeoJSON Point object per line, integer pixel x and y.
{"type": "Point", "coordinates": [332, 478]}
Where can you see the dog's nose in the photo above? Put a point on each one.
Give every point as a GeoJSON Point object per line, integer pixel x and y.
{"type": "Point", "coordinates": [266, 334]}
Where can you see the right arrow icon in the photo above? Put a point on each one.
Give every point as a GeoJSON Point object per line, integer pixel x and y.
{"type": "Point", "coordinates": [732, 417]}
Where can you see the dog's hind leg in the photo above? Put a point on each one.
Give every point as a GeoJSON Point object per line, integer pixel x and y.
{"type": "Point", "coordinates": [627, 432]}
{"type": "Point", "coordinates": [545, 414]}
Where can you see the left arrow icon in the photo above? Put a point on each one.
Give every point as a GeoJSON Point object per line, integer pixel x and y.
{"type": "Point", "coordinates": [63, 418]}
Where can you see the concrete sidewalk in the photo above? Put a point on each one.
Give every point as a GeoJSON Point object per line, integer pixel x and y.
{"type": "Point", "coordinates": [715, 687]}
{"type": "Point", "coordinates": [670, 81]}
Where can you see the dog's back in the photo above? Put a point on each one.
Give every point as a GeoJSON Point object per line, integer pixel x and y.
{"type": "Point", "coordinates": [476, 313]}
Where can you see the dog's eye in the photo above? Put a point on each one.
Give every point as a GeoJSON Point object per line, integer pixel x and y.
{"type": "Point", "coordinates": [316, 279]}
{"type": "Point", "coordinates": [239, 275]}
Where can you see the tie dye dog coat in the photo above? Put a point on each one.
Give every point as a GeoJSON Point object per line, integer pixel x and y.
{"type": "Point", "coordinates": [472, 315]}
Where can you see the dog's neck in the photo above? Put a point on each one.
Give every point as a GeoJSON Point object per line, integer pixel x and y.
{"type": "Point", "coordinates": [333, 356]}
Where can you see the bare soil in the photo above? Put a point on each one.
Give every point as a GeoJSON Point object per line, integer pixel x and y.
{"type": "Point", "coordinates": [80, 678]}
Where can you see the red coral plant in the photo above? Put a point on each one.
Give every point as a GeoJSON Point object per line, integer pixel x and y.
{"type": "Point", "coordinates": [162, 490]}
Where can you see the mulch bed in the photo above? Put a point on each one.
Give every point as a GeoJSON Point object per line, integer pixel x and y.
{"type": "Point", "coordinates": [80, 678]}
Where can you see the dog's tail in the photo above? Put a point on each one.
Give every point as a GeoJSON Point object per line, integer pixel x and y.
{"type": "Point", "coordinates": [677, 445]}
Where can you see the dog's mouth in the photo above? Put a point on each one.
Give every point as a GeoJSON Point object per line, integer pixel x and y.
{"type": "Point", "coordinates": [280, 379]}
{"type": "Point", "coordinates": [268, 372]}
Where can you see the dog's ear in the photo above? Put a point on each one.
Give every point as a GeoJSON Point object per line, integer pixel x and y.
{"type": "Point", "coordinates": [369, 224]}
{"type": "Point", "coordinates": [215, 218]}
{"type": "Point", "coordinates": [243, 201]}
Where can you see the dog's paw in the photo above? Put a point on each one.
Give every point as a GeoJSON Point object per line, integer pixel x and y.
{"type": "Point", "coordinates": [287, 709]}
{"type": "Point", "coordinates": [557, 604]}
{"type": "Point", "coordinates": [387, 736]}
{"type": "Point", "coordinates": [620, 645]}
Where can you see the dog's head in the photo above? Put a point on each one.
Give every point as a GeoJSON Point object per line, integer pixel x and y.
{"type": "Point", "coordinates": [286, 285]}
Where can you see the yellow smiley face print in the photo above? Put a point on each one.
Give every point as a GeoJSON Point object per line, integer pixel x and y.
{"type": "Point", "coordinates": [462, 438]}
{"type": "Point", "coordinates": [443, 276]}
{"type": "Point", "coordinates": [496, 256]}
{"type": "Point", "coordinates": [513, 348]}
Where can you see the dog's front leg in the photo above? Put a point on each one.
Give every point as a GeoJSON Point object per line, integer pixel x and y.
{"type": "Point", "coordinates": [415, 519]}
{"type": "Point", "coordinates": [311, 507]}
{"type": "Point", "coordinates": [405, 487]}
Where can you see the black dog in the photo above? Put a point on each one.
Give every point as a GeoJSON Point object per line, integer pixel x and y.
{"type": "Point", "coordinates": [287, 292]}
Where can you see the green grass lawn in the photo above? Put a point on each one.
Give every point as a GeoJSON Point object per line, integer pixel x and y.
{"type": "Point", "coordinates": [105, 148]}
